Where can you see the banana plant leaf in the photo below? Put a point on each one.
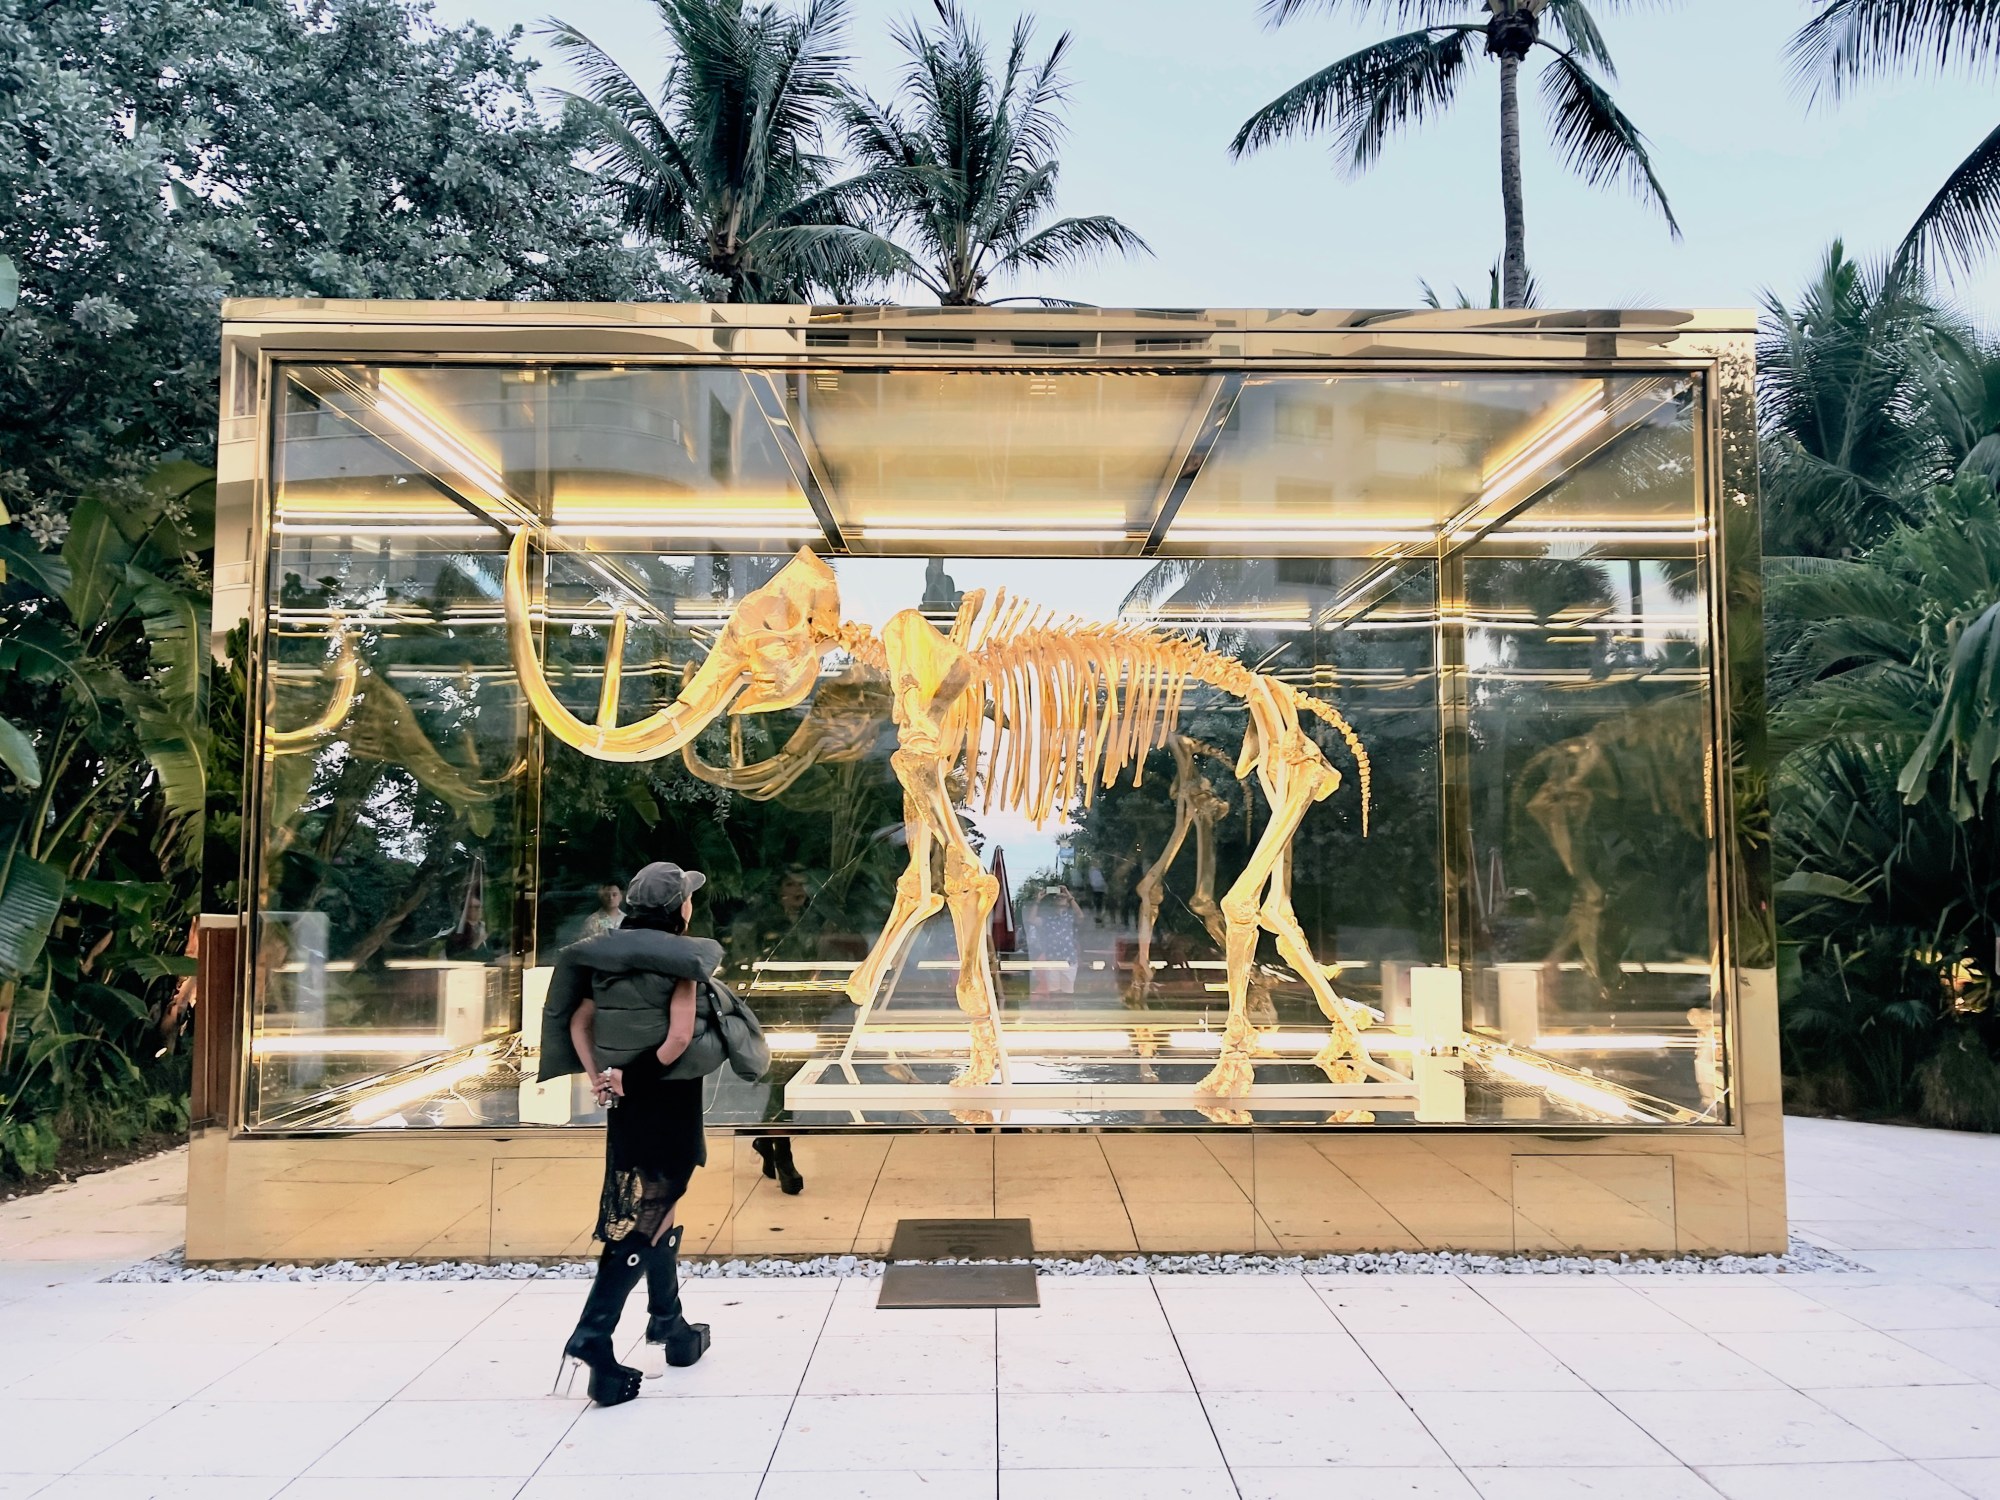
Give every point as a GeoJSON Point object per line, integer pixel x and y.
{"type": "Point", "coordinates": [96, 553]}
{"type": "Point", "coordinates": [174, 637]}
{"type": "Point", "coordinates": [17, 753]}
{"type": "Point", "coordinates": [31, 895]}
{"type": "Point", "coordinates": [23, 561]}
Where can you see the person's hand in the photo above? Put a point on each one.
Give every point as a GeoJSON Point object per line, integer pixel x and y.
{"type": "Point", "coordinates": [609, 1085]}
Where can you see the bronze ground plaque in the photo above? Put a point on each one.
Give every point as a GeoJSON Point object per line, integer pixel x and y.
{"type": "Point", "coordinates": [962, 1239]}
{"type": "Point", "coordinates": [958, 1286]}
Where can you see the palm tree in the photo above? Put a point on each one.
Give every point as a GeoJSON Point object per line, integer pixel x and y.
{"type": "Point", "coordinates": [1869, 392]}
{"type": "Point", "coordinates": [1408, 78]}
{"type": "Point", "coordinates": [1851, 40]}
{"type": "Point", "coordinates": [724, 171]}
{"type": "Point", "coordinates": [967, 169]}
{"type": "Point", "coordinates": [1462, 299]}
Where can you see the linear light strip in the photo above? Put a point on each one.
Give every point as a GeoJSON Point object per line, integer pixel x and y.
{"type": "Point", "coordinates": [388, 1101]}
{"type": "Point", "coordinates": [1589, 1097]}
{"type": "Point", "coordinates": [1616, 1042]}
{"type": "Point", "coordinates": [333, 1044]}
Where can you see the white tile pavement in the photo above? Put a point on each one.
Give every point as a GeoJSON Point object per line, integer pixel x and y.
{"type": "Point", "coordinates": [1877, 1386]}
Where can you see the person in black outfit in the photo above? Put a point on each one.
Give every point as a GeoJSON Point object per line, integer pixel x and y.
{"type": "Point", "coordinates": [627, 1008]}
{"type": "Point", "coordinates": [783, 929]}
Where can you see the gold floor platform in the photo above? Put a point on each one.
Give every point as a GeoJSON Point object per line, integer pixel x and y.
{"type": "Point", "coordinates": [455, 1194]}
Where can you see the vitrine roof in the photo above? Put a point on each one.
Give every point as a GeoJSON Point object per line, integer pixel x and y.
{"type": "Point", "coordinates": [1079, 320]}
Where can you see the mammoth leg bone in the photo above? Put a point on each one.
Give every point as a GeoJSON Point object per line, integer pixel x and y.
{"type": "Point", "coordinates": [916, 900]}
{"type": "Point", "coordinates": [970, 892]}
{"type": "Point", "coordinates": [1294, 775]}
{"type": "Point", "coordinates": [1153, 884]}
{"type": "Point", "coordinates": [1209, 811]}
{"type": "Point", "coordinates": [1345, 1057]}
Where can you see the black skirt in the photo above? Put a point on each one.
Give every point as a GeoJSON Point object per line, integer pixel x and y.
{"type": "Point", "coordinates": [653, 1143]}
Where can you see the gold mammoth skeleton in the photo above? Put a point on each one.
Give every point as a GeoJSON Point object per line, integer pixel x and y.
{"type": "Point", "coordinates": [1048, 710]}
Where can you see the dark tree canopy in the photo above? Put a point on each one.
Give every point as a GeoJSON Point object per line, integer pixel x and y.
{"type": "Point", "coordinates": [160, 155]}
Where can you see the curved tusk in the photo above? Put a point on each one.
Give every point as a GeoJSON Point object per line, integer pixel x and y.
{"type": "Point", "coordinates": [659, 734]}
{"type": "Point", "coordinates": [346, 678]}
{"type": "Point", "coordinates": [614, 674]}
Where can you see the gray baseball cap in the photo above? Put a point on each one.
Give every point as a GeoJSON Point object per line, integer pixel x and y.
{"type": "Point", "coordinates": [663, 884]}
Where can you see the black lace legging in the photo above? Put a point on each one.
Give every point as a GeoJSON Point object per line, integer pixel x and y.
{"type": "Point", "coordinates": [653, 1144]}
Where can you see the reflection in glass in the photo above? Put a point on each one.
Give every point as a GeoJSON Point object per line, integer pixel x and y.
{"type": "Point", "coordinates": [1499, 581]}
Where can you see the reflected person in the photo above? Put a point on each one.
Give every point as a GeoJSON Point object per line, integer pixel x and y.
{"type": "Point", "coordinates": [786, 930]}
{"type": "Point", "coordinates": [610, 913]}
{"type": "Point", "coordinates": [630, 1008]}
{"type": "Point", "coordinates": [1051, 933]}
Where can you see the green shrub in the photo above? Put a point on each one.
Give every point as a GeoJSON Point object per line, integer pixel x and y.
{"type": "Point", "coordinates": [1958, 1087]}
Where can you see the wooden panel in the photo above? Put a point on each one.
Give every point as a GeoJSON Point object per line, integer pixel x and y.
{"type": "Point", "coordinates": [217, 1023]}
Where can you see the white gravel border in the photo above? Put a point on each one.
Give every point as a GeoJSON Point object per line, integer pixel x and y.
{"type": "Point", "coordinates": [1802, 1258]}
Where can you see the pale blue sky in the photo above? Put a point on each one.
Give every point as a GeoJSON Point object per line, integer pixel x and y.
{"type": "Point", "coordinates": [1759, 181]}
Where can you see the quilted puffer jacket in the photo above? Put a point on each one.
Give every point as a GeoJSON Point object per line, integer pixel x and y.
{"type": "Point", "coordinates": [631, 974]}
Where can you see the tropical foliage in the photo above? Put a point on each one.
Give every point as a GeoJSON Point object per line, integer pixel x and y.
{"type": "Point", "coordinates": [1878, 452]}
{"type": "Point", "coordinates": [103, 676]}
{"type": "Point", "coordinates": [1870, 392]}
{"type": "Point", "coordinates": [1399, 83]}
{"type": "Point", "coordinates": [1885, 829]}
{"type": "Point", "coordinates": [965, 168]}
{"type": "Point", "coordinates": [159, 156]}
{"type": "Point", "coordinates": [1852, 41]}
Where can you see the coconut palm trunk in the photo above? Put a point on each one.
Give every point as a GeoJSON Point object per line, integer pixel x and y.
{"type": "Point", "coordinates": [1513, 201]}
{"type": "Point", "coordinates": [1405, 80]}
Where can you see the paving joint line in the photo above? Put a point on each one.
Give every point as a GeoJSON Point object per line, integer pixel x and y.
{"type": "Point", "coordinates": [1394, 1389]}
{"type": "Point", "coordinates": [792, 1405]}
{"type": "Point", "coordinates": [1153, 1284]}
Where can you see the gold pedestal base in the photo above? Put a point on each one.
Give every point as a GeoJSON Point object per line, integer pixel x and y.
{"type": "Point", "coordinates": [533, 1194]}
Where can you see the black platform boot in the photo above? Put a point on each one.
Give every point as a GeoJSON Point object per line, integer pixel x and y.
{"type": "Point", "coordinates": [777, 1153]}
{"type": "Point", "coordinates": [683, 1341]}
{"type": "Point", "coordinates": [618, 1271]}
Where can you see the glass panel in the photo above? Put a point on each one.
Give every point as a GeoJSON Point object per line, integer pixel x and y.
{"type": "Point", "coordinates": [1146, 613]}
{"type": "Point", "coordinates": [1593, 925]}
{"type": "Point", "coordinates": [1358, 463]}
{"type": "Point", "coordinates": [907, 454]}
{"type": "Point", "coordinates": [395, 823]}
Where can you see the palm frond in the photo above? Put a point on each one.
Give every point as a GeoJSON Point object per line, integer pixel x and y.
{"type": "Point", "coordinates": [1595, 138]}
{"type": "Point", "coordinates": [829, 255]}
{"type": "Point", "coordinates": [648, 176]}
{"type": "Point", "coordinates": [962, 168]}
{"type": "Point", "coordinates": [1403, 12]}
{"type": "Point", "coordinates": [1462, 300]}
{"type": "Point", "coordinates": [636, 152]}
{"type": "Point", "coordinates": [604, 78]}
{"type": "Point", "coordinates": [1963, 219]}
{"type": "Point", "coordinates": [1402, 81]}
{"type": "Point", "coordinates": [806, 69]}
{"type": "Point", "coordinates": [1850, 41]}
{"type": "Point", "coordinates": [1070, 240]}
{"type": "Point", "coordinates": [1868, 393]}
{"type": "Point", "coordinates": [1573, 22]}
{"type": "Point", "coordinates": [1965, 730]}
{"type": "Point", "coordinates": [1035, 129]}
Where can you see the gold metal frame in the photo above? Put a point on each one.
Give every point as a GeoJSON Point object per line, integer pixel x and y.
{"type": "Point", "coordinates": [1717, 348]}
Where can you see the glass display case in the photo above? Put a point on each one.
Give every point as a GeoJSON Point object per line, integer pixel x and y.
{"type": "Point", "coordinates": [1083, 720]}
